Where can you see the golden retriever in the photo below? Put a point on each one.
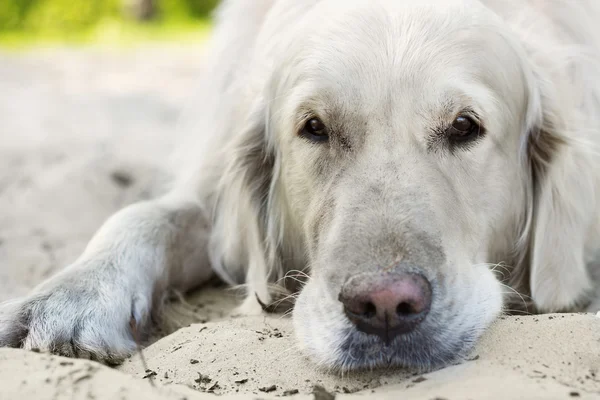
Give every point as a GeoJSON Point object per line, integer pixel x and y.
{"type": "Point", "coordinates": [419, 160]}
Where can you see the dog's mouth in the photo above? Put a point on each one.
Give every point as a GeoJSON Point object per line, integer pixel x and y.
{"type": "Point", "coordinates": [436, 324]}
{"type": "Point", "coordinates": [424, 348]}
{"type": "Point", "coordinates": [418, 350]}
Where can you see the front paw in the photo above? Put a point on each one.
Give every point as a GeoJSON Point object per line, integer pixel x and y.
{"type": "Point", "coordinates": [80, 314]}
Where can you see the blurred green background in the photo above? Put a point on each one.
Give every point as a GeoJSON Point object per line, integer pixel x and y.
{"type": "Point", "coordinates": [111, 22]}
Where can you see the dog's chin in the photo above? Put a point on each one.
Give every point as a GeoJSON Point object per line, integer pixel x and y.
{"type": "Point", "coordinates": [417, 351]}
{"type": "Point", "coordinates": [331, 341]}
{"type": "Point", "coordinates": [355, 351]}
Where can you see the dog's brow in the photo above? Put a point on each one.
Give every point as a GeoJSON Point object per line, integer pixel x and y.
{"type": "Point", "coordinates": [448, 106]}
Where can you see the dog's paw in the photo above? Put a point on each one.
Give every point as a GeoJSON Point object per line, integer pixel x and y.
{"type": "Point", "coordinates": [76, 315]}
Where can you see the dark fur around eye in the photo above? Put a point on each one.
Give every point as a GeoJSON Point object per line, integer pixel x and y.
{"type": "Point", "coordinates": [464, 131]}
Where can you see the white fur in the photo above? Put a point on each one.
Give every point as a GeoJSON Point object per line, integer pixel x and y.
{"type": "Point", "coordinates": [253, 200]}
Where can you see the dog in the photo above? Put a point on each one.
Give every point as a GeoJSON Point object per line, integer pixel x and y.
{"type": "Point", "coordinates": [421, 163]}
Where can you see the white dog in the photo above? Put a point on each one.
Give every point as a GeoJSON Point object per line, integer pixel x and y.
{"type": "Point", "coordinates": [395, 150]}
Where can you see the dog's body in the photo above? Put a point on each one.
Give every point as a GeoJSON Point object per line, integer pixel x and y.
{"type": "Point", "coordinates": [399, 150]}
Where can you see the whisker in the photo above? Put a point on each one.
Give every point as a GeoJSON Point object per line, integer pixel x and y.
{"type": "Point", "coordinates": [299, 272]}
{"type": "Point", "coordinates": [296, 280]}
{"type": "Point", "coordinates": [287, 313]}
{"type": "Point", "coordinates": [513, 292]}
{"type": "Point", "coordinates": [500, 268]}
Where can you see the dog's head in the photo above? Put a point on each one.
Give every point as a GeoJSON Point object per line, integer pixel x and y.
{"type": "Point", "coordinates": [396, 150]}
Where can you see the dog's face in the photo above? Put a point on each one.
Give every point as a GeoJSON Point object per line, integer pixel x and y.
{"type": "Point", "coordinates": [389, 150]}
{"type": "Point", "coordinates": [399, 131]}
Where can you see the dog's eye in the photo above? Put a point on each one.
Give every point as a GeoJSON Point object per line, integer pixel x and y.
{"type": "Point", "coordinates": [463, 129]}
{"type": "Point", "coordinates": [315, 130]}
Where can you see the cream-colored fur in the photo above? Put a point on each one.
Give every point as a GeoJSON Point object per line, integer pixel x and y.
{"type": "Point", "coordinates": [514, 211]}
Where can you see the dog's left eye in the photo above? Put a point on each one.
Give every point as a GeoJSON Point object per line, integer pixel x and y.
{"type": "Point", "coordinates": [464, 128]}
{"type": "Point", "coordinates": [315, 130]}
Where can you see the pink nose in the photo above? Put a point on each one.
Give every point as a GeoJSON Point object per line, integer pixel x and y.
{"type": "Point", "coordinates": [386, 305]}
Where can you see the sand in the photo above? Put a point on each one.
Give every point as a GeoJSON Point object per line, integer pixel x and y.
{"type": "Point", "coordinates": [83, 133]}
{"type": "Point", "coordinates": [534, 357]}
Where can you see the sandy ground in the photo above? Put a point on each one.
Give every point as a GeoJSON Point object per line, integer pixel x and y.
{"type": "Point", "coordinates": [83, 133]}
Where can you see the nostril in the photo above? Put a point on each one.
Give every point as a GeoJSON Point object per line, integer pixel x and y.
{"type": "Point", "coordinates": [386, 304]}
{"type": "Point", "coordinates": [370, 310]}
{"type": "Point", "coordinates": [405, 309]}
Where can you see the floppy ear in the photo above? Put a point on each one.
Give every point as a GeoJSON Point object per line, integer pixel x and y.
{"type": "Point", "coordinates": [246, 237]}
{"type": "Point", "coordinates": [562, 201]}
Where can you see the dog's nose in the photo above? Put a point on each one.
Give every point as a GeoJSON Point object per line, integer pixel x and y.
{"type": "Point", "coordinates": [386, 305]}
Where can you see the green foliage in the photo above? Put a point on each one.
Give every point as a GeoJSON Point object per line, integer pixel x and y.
{"type": "Point", "coordinates": [186, 8]}
{"type": "Point", "coordinates": [78, 15]}
{"type": "Point", "coordinates": [13, 13]}
{"type": "Point", "coordinates": [69, 15]}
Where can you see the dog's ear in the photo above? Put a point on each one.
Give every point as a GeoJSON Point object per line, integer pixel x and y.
{"type": "Point", "coordinates": [561, 202]}
{"type": "Point", "coordinates": [245, 241]}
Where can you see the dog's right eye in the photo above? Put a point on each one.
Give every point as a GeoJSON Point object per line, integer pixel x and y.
{"type": "Point", "coordinates": [315, 130]}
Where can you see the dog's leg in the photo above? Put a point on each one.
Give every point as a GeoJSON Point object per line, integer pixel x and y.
{"type": "Point", "coordinates": [87, 310]}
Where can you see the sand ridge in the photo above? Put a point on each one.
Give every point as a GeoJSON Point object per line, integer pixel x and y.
{"type": "Point", "coordinates": [534, 357]}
